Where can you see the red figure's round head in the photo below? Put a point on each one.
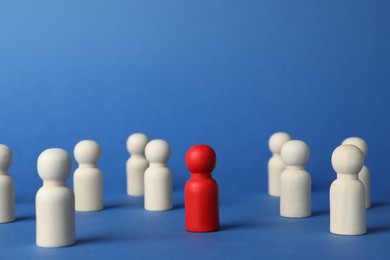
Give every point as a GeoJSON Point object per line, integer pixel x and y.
{"type": "Point", "coordinates": [201, 158]}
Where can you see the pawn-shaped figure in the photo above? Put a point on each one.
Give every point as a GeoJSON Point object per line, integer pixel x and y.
{"type": "Point", "coordinates": [136, 164]}
{"type": "Point", "coordinates": [54, 202]}
{"type": "Point", "coordinates": [158, 178]}
{"type": "Point", "coordinates": [295, 197]}
{"type": "Point", "coordinates": [347, 192]}
{"type": "Point", "coordinates": [7, 187]}
{"type": "Point", "coordinates": [87, 178]}
{"type": "Point", "coordinates": [201, 190]}
{"type": "Point", "coordinates": [364, 174]}
{"type": "Point", "coordinates": [275, 163]}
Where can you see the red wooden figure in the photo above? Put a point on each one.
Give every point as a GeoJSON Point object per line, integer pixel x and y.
{"type": "Point", "coordinates": [201, 190]}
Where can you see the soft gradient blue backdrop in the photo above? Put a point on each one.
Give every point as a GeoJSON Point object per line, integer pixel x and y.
{"type": "Point", "coordinates": [225, 73]}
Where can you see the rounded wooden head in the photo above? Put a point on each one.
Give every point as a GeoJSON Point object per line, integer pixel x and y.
{"type": "Point", "coordinates": [136, 143]}
{"type": "Point", "coordinates": [277, 140]}
{"type": "Point", "coordinates": [54, 165]}
{"type": "Point", "coordinates": [359, 143]}
{"type": "Point", "coordinates": [157, 151]}
{"type": "Point", "coordinates": [6, 157]}
{"type": "Point", "coordinates": [201, 158]}
{"type": "Point", "coordinates": [347, 159]}
{"type": "Point", "coordinates": [295, 153]}
{"type": "Point", "coordinates": [87, 152]}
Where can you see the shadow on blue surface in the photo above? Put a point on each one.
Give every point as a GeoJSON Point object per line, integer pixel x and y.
{"type": "Point", "coordinates": [317, 213]}
{"type": "Point", "coordinates": [381, 204]}
{"type": "Point", "coordinates": [115, 206]}
{"type": "Point", "coordinates": [178, 206]}
{"type": "Point", "coordinates": [378, 229]}
{"type": "Point", "coordinates": [126, 205]}
{"type": "Point", "coordinates": [91, 240]}
{"type": "Point", "coordinates": [25, 218]}
{"type": "Point", "coordinates": [238, 226]}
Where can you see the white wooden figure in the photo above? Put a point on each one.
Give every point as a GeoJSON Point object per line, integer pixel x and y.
{"type": "Point", "coordinates": [7, 187]}
{"type": "Point", "coordinates": [136, 164]}
{"type": "Point", "coordinates": [364, 174]}
{"type": "Point", "coordinates": [295, 196]}
{"type": "Point", "coordinates": [275, 163]}
{"type": "Point", "coordinates": [347, 192]}
{"type": "Point", "coordinates": [54, 202]}
{"type": "Point", "coordinates": [158, 178]}
{"type": "Point", "coordinates": [87, 178]}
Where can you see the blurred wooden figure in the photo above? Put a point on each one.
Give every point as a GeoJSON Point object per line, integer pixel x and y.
{"type": "Point", "coordinates": [87, 178]}
{"type": "Point", "coordinates": [158, 178]}
{"type": "Point", "coordinates": [7, 187]}
{"type": "Point", "coordinates": [364, 174]}
{"type": "Point", "coordinates": [137, 164]}
{"type": "Point", "coordinates": [275, 163]}
{"type": "Point", "coordinates": [295, 197]}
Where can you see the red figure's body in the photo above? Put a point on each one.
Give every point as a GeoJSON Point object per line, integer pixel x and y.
{"type": "Point", "coordinates": [201, 191]}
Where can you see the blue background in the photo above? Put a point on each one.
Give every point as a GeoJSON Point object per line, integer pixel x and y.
{"type": "Point", "coordinates": [224, 73]}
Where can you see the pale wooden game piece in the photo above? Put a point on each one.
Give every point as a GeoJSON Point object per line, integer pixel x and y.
{"type": "Point", "coordinates": [364, 174]}
{"type": "Point", "coordinates": [54, 201]}
{"type": "Point", "coordinates": [88, 179]}
{"type": "Point", "coordinates": [136, 164]}
{"type": "Point", "coordinates": [158, 178]}
{"type": "Point", "coordinates": [7, 187]}
{"type": "Point", "coordinates": [275, 163]}
{"type": "Point", "coordinates": [347, 192]}
{"type": "Point", "coordinates": [295, 196]}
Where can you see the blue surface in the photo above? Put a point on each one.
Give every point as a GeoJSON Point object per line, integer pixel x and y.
{"type": "Point", "coordinates": [225, 73]}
